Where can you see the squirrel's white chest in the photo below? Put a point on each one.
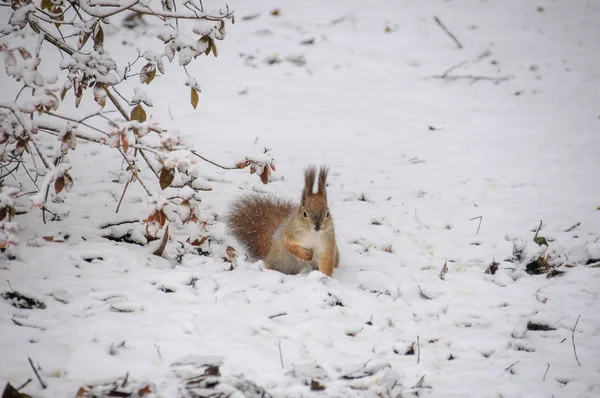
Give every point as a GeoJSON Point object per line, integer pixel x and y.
{"type": "Point", "coordinates": [313, 240]}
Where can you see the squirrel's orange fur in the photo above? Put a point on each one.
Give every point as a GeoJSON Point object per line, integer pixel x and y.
{"type": "Point", "coordinates": [288, 237]}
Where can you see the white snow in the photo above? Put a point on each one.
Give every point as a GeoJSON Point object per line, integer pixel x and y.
{"type": "Point", "coordinates": [415, 160]}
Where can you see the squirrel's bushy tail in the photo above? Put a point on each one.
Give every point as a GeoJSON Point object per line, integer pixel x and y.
{"type": "Point", "coordinates": [253, 219]}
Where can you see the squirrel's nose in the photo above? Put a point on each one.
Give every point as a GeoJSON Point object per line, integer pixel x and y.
{"type": "Point", "coordinates": [317, 226]}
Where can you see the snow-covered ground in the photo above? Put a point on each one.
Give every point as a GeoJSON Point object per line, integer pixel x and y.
{"type": "Point", "coordinates": [425, 171]}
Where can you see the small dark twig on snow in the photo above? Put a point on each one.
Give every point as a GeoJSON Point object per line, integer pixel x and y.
{"type": "Point", "coordinates": [22, 386]}
{"type": "Point", "coordinates": [480, 219]}
{"type": "Point", "coordinates": [418, 351]}
{"type": "Point", "coordinates": [573, 340]}
{"type": "Point", "coordinates": [437, 20]}
{"type": "Point", "coordinates": [507, 369]}
{"type": "Point", "coordinates": [545, 373]}
{"type": "Point", "coordinates": [277, 315]}
{"type": "Point", "coordinates": [36, 373]}
{"type": "Point", "coordinates": [280, 354]}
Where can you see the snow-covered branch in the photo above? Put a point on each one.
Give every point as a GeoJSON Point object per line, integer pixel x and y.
{"type": "Point", "coordinates": [34, 128]}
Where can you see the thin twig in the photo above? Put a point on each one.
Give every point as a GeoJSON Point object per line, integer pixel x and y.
{"type": "Point", "coordinates": [537, 232]}
{"type": "Point", "coordinates": [213, 163]}
{"type": "Point", "coordinates": [22, 386]}
{"type": "Point", "coordinates": [277, 315]}
{"type": "Point", "coordinates": [123, 194]}
{"type": "Point", "coordinates": [573, 340]}
{"type": "Point", "coordinates": [545, 373]}
{"type": "Point", "coordinates": [418, 350]}
{"type": "Point", "coordinates": [27, 326]}
{"type": "Point", "coordinates": [507, 369]}
{"type": "Point", "coordinates": [479, 226]}
{"type": "Point", "coordinates": [437, 20]}
{"type": "Point", "coordinates": [280, 354]}
{"type": "Point", "coordinates": [157, 347]}
{"type": "Point", "coordinates": [114, 224]}
{"type": "Point", "coordinates": [36, 373]}
{"type": "Point", "coordinates": [572, 227]}
{"type": "Point", "coordinates": [474, 78]}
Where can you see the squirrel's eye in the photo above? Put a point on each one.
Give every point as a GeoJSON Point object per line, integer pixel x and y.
{"type": "Point", "coordinates": [305, 215]}
{"type": "Point", "coordinates": [327, 215]}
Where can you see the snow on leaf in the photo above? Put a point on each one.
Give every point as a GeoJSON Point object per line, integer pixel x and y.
{"type": "Point", "coordinates": [68, 181]}
{"type": "Point", "coordinates": [20, 15]}
{"type": "Point", "coordinates": [140, 95]}
{"type": "Point", "coordinates": [170, 51]}
{"type": "Point", "coordinates": [148, 73]}
{"type": "Point", "coordinates": [99, 95]}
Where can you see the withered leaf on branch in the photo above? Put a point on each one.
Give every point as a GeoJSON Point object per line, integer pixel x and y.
{"type": "Point", "coordinates": [124, 142]}
{"type": "Point", "coordinates": [264, 176]}
{"type": "Point", "coordinates": [68, 181]}
{"type": "Point", "coordinates": [99, 95]}
{"type": "Point", "coordinates": [68, 141]}
{"type": "Point", "coordinates": [24, 53]}
{"type": "Point", "coordinates": [214, 48]}
{"type": "Point", "coordinates": [166, 177]}
{"type": "Point", "coordinates": [138, 113]}
{"type": "Point", "coordinates": [47, 5]}
{"type": "Point", "coordinates": [148, 73]}
{"type": "Point", "coordinates": [83, 38]}
{"type": "Point", "coordinates": [60, 16]}
{"type": "Point", "coordinates": [194, 98]}
{"type": "Point", "coordinates": [243, 165]}
{"type": "Point", "coordinates": [99, 38]}
{"type": "Point", "coordinates": [160, 250]}
{"type": "Point", "coordinates": [59, 184]}
{"type": "Point", "coordinates": [78, 88]}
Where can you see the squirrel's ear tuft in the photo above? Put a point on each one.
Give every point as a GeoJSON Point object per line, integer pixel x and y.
{"type": "Point", "coordinates": [323, 181]}
{"type": "Point", "coordinates": [310, 174]}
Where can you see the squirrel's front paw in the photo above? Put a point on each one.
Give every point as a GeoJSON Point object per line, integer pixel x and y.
{"type": "Point", "coordinates": [305, 254]}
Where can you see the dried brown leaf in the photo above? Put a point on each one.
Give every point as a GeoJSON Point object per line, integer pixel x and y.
{"type": "Point", "coordinates": [124, 142]}
{"type": "Point", "coordinates": [59, 184]}
{"type": "Point", "coordinates": [194, 98]}
{"type": "Point", "coordinates": [138, 113]}
{"type": "Point", "coordinates": [144, 391]}
{"type": "Point", "coordinates": [264, 177]}
{"type": "Point", "coordinates": [68, 182]}
{"type": "Point", "coordinates": [24, 53]}
{"type": "Point", "coordinates": [159, 252]}
{"type": "Point", "coordinates": [83, 38]}
{"type": "Point", "coordinates": [166, 177]}
{"type": "Point", "coordinates": [148, 73]}
{"type": "Point", "coordinates": [99, 38]}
